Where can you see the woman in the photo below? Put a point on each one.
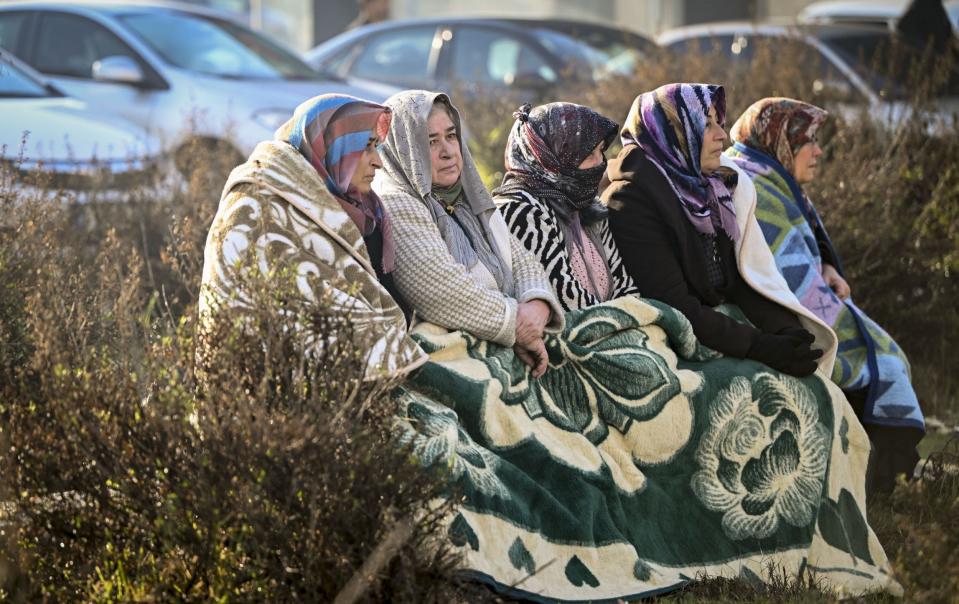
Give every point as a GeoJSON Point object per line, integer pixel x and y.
{"type": "Point", "coordinates": [554, 164]}
{"type": "Point", "coordinates": [776, 145]}
{"type": "Point", "coordinates": [456, 263]}
{"type": "Point", "coordinates": [638, 459]}
{"type": "Point", "coordinates": [683, 220]}
{"type": "Point", "coordinates": [304, 202]}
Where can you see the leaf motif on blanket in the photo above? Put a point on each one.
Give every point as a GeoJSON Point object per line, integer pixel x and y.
{"type": "Point", "coordinates": [579, 574]}
{"type": "Point", "coordinates": [842, 526]}
{"type": "Point", "coordinates": [520, 557]}
{"type": "Point", "coordinates": [763, 457]}
{"type": "Point", "coordinates": [613, 395]}
{"type": "Point", "coordinates": [436, 437]}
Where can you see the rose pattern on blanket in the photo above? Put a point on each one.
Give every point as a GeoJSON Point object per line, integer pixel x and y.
{"type": "Point", "coordinates": [764, 456]}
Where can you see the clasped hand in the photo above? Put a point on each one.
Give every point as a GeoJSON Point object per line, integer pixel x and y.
{"type": "Point", "coordinates": [531, 320]}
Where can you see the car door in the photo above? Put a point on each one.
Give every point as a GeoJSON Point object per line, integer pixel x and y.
{"type": "Point", "coordinates": [65, 48]}
{"type": "Point", "coordinates": [486, 62]}
{"type": "Point", "coordinates": [405, 57]}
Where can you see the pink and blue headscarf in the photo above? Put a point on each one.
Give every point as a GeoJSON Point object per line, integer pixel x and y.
{"type": "Point", "coordinates": [331, 131]}
{"type": "Point", "coordinates": [669, 124]}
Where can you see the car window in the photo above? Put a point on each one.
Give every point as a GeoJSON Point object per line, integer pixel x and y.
{"type": "Point", "coordinates": [12, 26]}
{"type": "Point", "coordinates": [69, 45]}
{"type": "Point", "coordinates": [709, 44]}
{"type": "Point", "coordinates": [215, 47]}
{"type": "Point", "coordinates": [483, 56]}
{"type": "Point", "coordinates": [396, 56]}
{"type": "Point", "coordinates": [16, 84]}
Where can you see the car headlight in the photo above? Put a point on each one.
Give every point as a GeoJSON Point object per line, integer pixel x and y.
{"type": "Point", "coordinates": [271, 119]}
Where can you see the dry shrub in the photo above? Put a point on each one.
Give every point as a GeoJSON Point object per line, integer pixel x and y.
{"type": "Point", "coordinates": [123, 480]}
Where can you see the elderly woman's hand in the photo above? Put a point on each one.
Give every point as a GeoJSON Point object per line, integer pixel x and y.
{"type": "Point", "coordinates": [534, 355]}
{"type": "Point", "coordinates": [835, 281]}
{"type": "Point", "coordinates": [531, 320]}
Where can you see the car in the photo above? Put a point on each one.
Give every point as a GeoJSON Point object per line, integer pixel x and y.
{"type": "Point", "coordinates": [46, 136]}
{"type": "Point", "coordinates": [526, 59]}
{"type": "Point", "coordinates": [194, 79]}
{"type": "Point", "coordinates": [868, 12]}
{"type": "Point", "coordinates": [842, 58]}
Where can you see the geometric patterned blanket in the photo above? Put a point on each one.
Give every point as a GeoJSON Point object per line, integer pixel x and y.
{"type": "Point", "coordinates": [868, 357]}
{"type": "Point", "coordinates": [639, 461]}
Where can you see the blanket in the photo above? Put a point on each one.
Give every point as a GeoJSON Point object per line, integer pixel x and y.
{"type": "Point", "coordinates": [640, 461]}
{"type": "Point", "coordinates": [867, 356]}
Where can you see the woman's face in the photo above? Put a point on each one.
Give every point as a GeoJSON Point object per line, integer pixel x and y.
{"type": "Point", "coordinates": [370, 161]}
{"type": "Point", "coordinates": [594, 159]}
{"type": "Point", "coordinates": [713, 140]}
{"type": "Point", "coordinates": [806, 161]}
{"type": "Point", "coordinates": [445, 156]}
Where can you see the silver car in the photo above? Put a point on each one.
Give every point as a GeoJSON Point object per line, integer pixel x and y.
{"type": "Point", "coordinates": [189, 76]}
{"type": "Point", "coordinates": [51, 139]}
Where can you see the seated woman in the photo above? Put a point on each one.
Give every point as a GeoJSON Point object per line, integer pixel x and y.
{"type": "Point", "coordinates": [775, 144]}
{"type": "Point", "coordinates": [637, 459]}
{"type": "Point", "coordinates": [456, 262]}
{"type": "Point", "coordinates": [554, 163]}
{"type": "Point", "coordinates": [304, 202]}
{"type": "Point", "coordinates": [683, 221]}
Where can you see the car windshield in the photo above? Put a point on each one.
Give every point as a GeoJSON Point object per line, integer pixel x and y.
{"type": "Point", "coordinates": [17, 84]}
{"type": "Point", "coordinates": [578, 53]}
{"type": "Point", "coordinates": [886, 62]}
{"type": "Point", "coordinates": [216, 47]}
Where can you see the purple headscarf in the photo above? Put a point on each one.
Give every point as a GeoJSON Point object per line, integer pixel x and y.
{"type": "Point", "coordinates": [669, 124]}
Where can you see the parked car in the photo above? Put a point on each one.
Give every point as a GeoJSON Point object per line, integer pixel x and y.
{"type": "Point", "coordinates": [866, 12]}
{"type": "Point", "coordinates": [192, 78]}
{"type": "Point", "coordinates": [77, 149]}
{"type": "Point", "coordinates": [842, 60]}
{"type": "Point", "coordinates": [532, 60]}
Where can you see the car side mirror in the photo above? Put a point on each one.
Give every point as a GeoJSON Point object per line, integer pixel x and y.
{"type": "Point", "coordinates": [119, 69]}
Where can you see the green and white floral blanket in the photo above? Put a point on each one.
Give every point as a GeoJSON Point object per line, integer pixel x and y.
{"type": "Point", "coordinates": [640, 461]}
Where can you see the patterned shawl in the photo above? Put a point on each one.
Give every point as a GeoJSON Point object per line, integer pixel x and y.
{"type": "Point", "coordinates": [545, 148]}
{"type": "Point", "coordinates": [331, 131]}
{"type": "Point", "coordinates": [407, 169]}
{"type": "Point", "coordinates": [669, 124]}
{"type": "Point", "coordinates": [778, 127]}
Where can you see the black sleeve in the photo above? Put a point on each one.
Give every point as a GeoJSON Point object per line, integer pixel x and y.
{"type": "Point", "coordinates": [650, 253]}
{"type": "Point", "coordinates": [825, 249]}
{"type": "Point", "coordinates": [765, 314]}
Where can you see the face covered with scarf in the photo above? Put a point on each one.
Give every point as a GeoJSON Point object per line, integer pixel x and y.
{"type": "Point", "coordinates": [669, 125]}
{"type": "Point", "coordinates": [546, 147]}
{"type": "Point", "coordinates": [337, 134]}
{"type": "Point", "coordinates": [785, 130]}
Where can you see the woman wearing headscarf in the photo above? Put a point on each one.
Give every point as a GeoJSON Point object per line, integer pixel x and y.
{"type": "Point", "coordinates": [638, 459]}
{"type": "Point", "coordinates": [303, 201]}
{"type": "Point", "coordinates": [683, 221]}
{"type": "Point", "coordinates": [456, 262]}
{"type": "Point", "coordinates": [776, 145]}
{"type": "Point", "coordinates": [549, 198]}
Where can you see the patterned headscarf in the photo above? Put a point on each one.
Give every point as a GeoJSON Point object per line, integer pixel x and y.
{"type": "Point", "coordinates": [545, 148]}
{"type": "Point", "coordinates": [331, 131]}
{"type": "Point", "coordinates": [778, 127]}
{"type": "Point", "coordinates": [669, 124]}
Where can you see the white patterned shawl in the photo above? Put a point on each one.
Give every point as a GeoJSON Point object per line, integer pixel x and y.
{"type": "Point", "coordinates": [276, 206]}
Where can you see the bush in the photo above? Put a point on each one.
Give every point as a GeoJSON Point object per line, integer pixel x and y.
{"type": "Point", "coordinates": [124, 480]}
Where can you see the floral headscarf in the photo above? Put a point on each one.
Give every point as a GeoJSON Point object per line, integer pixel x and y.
{"type": "Point", "coordinates": [669, 124]}
{"type": "Point", "coordinates": [778, 127]}
{"type": "Point", "coordinates": [331, 131]}
{"type": "Point", "coordinates": [546, 146]}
